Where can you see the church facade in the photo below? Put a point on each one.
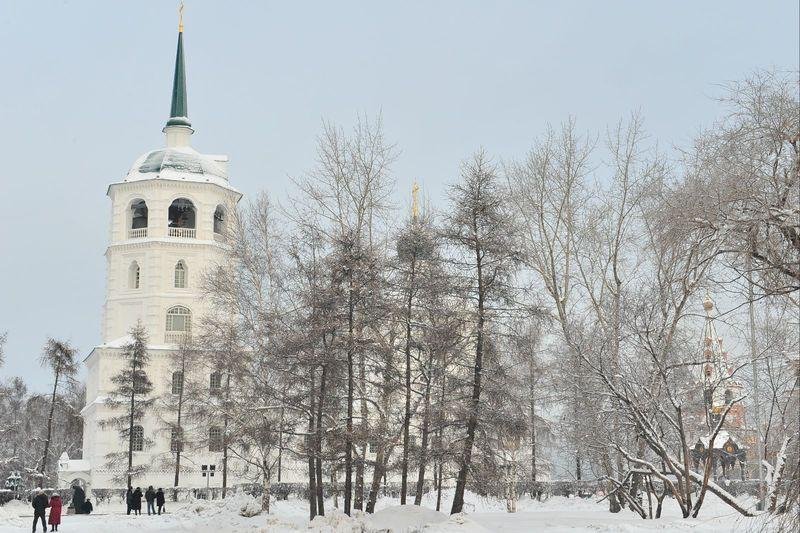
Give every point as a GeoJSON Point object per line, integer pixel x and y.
{"type": "Point", "coordinates": [168, 225]}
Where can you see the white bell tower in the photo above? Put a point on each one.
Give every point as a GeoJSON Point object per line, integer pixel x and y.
{"type": "Point", "coordinates": [168, 218]}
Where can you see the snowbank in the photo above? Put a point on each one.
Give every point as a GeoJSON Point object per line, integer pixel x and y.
{"type": "Point", "coordinates": [10, 518]}
{"type": "Point", "coordinates": [405, 518]}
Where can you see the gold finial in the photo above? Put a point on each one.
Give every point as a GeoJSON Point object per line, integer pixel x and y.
{"type": "Point", "coordinates": [415, 201]}
{"type": "Point", "coordinates": [180, 18]}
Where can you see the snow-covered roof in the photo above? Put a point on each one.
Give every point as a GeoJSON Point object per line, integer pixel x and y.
{"type": "Point", "coordinates": [180, 164]}
{"type": "Point", "coordinates": [127, 340]}
{"type": "Point", "coordinates": [720, 440]}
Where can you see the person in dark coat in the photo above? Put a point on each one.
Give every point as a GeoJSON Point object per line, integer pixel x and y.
{"type": "Point", "coordinates": [87, 507]}
{"type": "Point", "coordinates": [78, 495]}
{"type": "Point", "coordinates": [39, 504]}
{"type": "Point", "coordinates": [129, 499]}
{"type": "Point", "coordinates": [136, 501]}
{"type": "Point", "coordinates": [160, 499]}
{"type": "Point", "coordinates": [55, 512]}
{"type": "Point", "coordinates": [150, 497]}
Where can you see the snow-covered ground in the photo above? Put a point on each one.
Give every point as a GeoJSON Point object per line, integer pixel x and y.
{"type": "Point", "coordinates": [481, 515]}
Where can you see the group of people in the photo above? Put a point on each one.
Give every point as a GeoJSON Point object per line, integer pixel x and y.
{"type": "Point", "coordinates": [133, 499]}
{"type": "Point", "coordinates": [40, 502]}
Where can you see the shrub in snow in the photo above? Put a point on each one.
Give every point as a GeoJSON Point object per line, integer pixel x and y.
{"type": "Point", "coordinates": [250, 508]}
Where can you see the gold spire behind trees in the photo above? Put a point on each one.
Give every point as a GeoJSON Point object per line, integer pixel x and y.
{"type": "Point", "coordinates": [180, 18]}
{"type": "Point", "coordinates": [415, 201]}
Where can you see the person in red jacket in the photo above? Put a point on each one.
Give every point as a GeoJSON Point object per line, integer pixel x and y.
{"type": "Point", "coordinates": [55, 512]}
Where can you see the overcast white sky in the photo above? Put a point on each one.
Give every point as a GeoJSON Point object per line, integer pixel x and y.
{"type": "Point", "coordinates": [86, 85]}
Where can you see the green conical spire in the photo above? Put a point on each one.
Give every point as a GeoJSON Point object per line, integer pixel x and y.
{"type": "Point", "coordinates": [179, 112]}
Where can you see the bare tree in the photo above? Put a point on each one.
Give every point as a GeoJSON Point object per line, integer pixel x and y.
{"type": "Point", "coordinates": [483, 239]}
{"type": "Point", "coordinates": [59, 356]}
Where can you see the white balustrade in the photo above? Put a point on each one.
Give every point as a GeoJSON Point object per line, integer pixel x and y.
{"type": "Point", "coordinates": [186, 233]}
{"type": "Point", "coordinates": [138, 233]}
{"type": "Point", "coordinates": [175, 337]}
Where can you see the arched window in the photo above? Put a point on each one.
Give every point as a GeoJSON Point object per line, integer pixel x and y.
{"type": "Point", "coordinates": [175, 441]}
{"type": "Point", "coordinates": [179, 324]}
{"type": "Point", "coordinates": [181, 214]}
{"type": "Point", "coordinates": [215, 382]}
{"type": "Point", "coordinates": [219, 220]}
{"type": "Point", "coordinates": [177, 382]}
{"type": "Point", "coordinates": [138, 438]}
{"type": "Point", "coordinates": [133, 275]}
{"type": "Point", "coordinates": [138, 214]}
{"type": "Point", "coordinates": [180, 275]}
{"type": "Point", "coordinates": [215, 439]}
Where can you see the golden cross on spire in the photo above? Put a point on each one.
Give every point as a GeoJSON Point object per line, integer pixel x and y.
{"type": "Point", "coordinates": [180, 18]}
{"type": "Point", "coordinates": [415, 201]}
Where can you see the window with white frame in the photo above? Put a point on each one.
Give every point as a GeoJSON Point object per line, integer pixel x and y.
{"type": "Point", "coordinates": [215, 382]}
{"type": "Point", "coordinates": [175, 441]}
{"type": "Point", "coordinates": [179, 319]}
{"type": "Point", "coordinates": [177, 382]}
{"type": "Point", "coordinates": [180, 275]}
{"type": "Point", "coordinates": [137, 438]}
{"type": "Point", "coordinates": [215, 439]}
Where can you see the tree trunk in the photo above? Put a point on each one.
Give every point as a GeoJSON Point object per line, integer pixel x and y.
{"type": "Point", "coordinates": [377, 474]}
{"type": "Point", "coordinates": [472, 422]}
{"type": "Point", "coordinates": [757, 400]}
{"type": "Point", "coordinates": [358, 497]}
{"type": "Point", "coordinates": [179, 444]}
{"type": "Point", "coordinates": [266, 488]}
{"type": "Point", "coordinates": [280, 437]}
{"type": "Point", "coordinates": [407, 417]}
{"type": "Point", "coordinates": [318, 442]}
{"type": "Point", "coordinates": [310, 450]}
{"type": "Point", "coordinates": [423, 451]}
{"type": "Point", "coordinates": [130, 424]}
{"type": "Point", "coordinates": [348, 454]}
{"type": "Point", "coordinates": [225, 421]}
{"type": "Point", "coordinates": [43, 465]}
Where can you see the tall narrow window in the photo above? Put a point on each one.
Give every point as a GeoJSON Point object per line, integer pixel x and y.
{"type": "Point", "coordinates": [133, 275]}
{"type": "Point", "coordinates": [180, 275]}
{"type": "Point", "coordinates": [177, 382]}
{"type": "Point", "coordinates": [215, 382]}
{"type": "Point", "coordinates": [215, 439]}
{"type": "Point", "coordinates": [138, 214]}
{"type": "Point", "coordinates": [175, 441]}
{"type": "Point", "coordinates": [137, 438]}
{"type": "Point", "coordinates": [219, 220]}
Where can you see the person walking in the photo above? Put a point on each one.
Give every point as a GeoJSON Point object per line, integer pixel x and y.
{"type": "Point", "coordinates": [160, 499]}
{"type": "Point", "coordinates": [150, 497]}
{"type": "Point", "coordinates": [55, 512]}
{"type": "Point", "coordinates": [136, 501]}
{"type": "Point", "coordinates": [129, 499]}
{"type": "Point", "coordinates": [39, 504]}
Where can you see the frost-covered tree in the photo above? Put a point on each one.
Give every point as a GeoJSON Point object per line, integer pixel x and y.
{"type": "Point", "coordinates": [483, 239]}
{"type": "Point", "coordinates": [131, 397]}
{"type": "Point", "coordinates": [59, 357]}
